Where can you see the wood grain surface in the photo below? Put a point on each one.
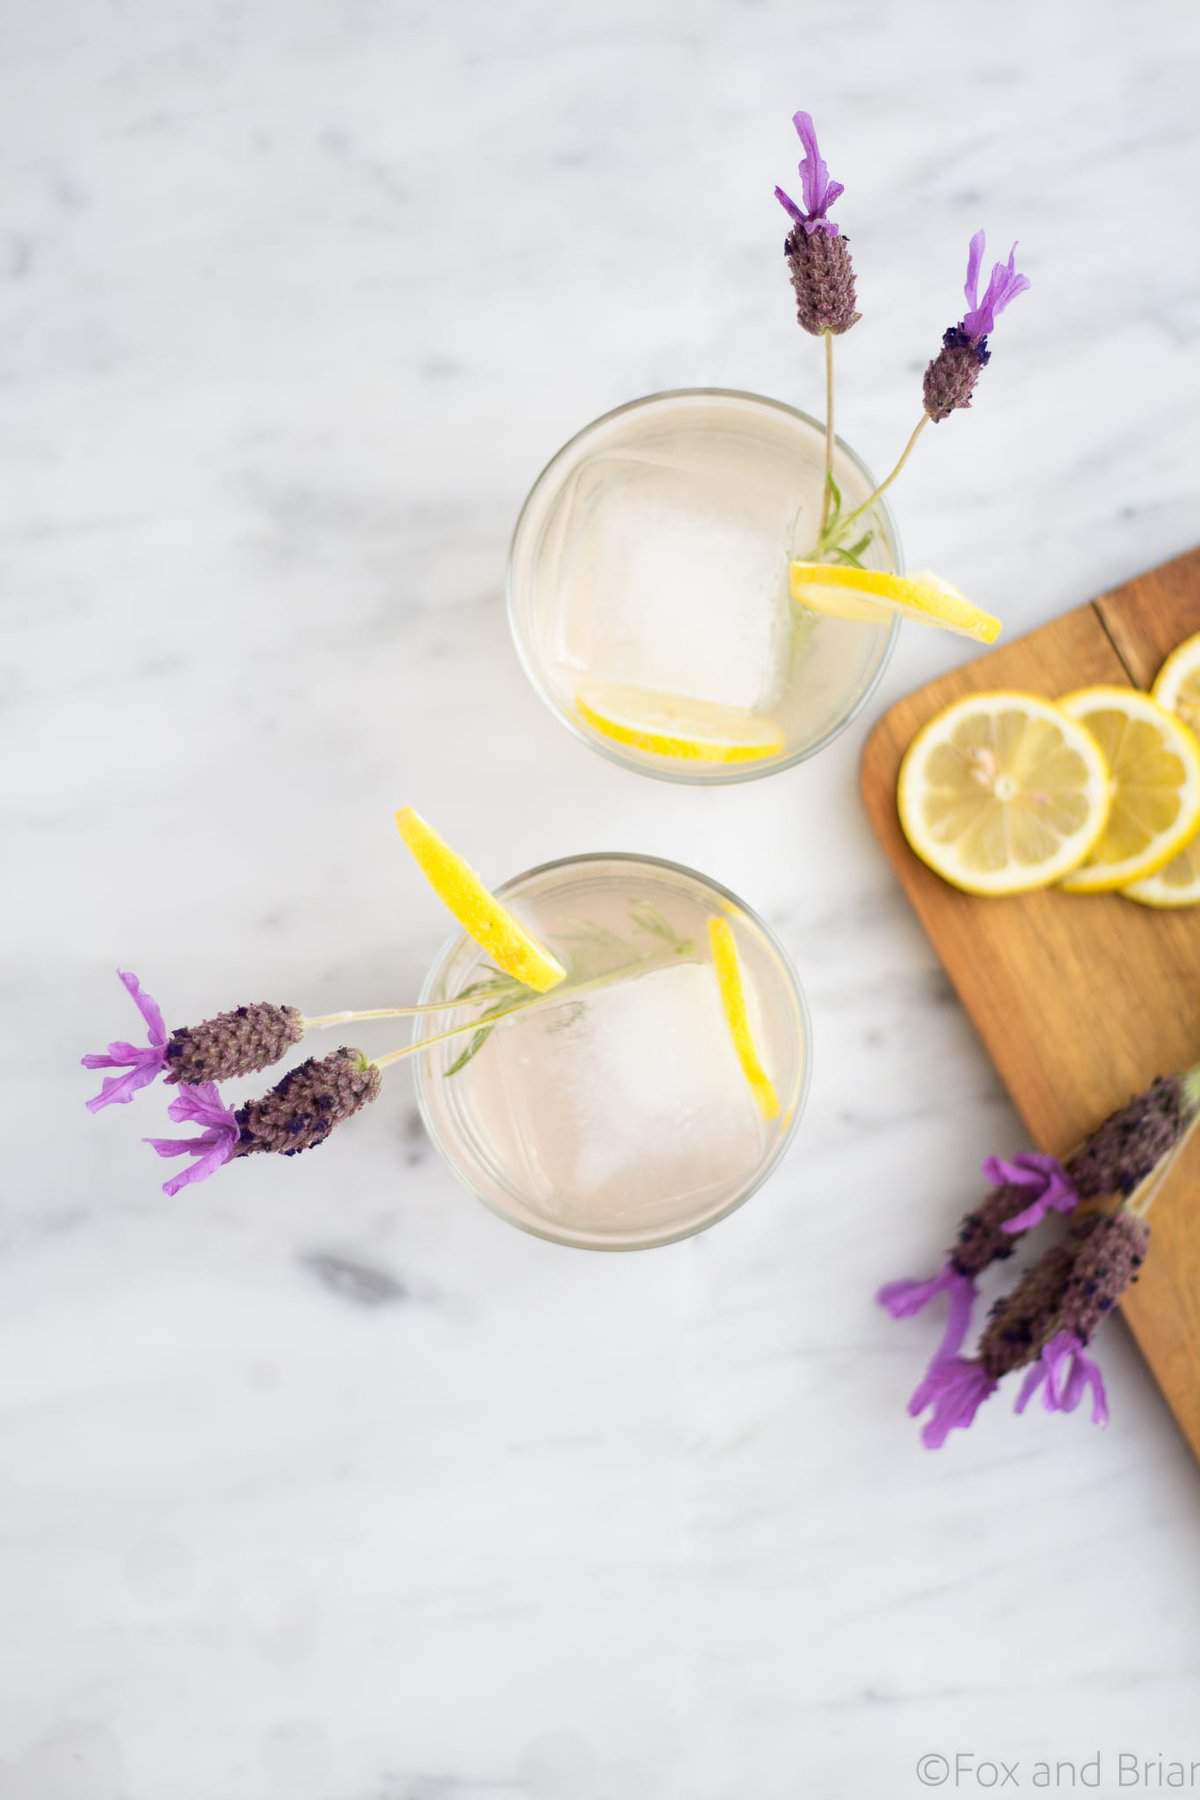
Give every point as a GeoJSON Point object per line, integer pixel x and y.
{"type": "Point", "coordinates": [1080, 1000]}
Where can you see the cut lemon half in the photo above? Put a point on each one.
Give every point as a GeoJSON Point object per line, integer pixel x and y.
{"type": "Point", "coordinates": [673, 725]}
{"type": "Point", "coordinates": [1002, 792]}
{"type": "Point", "coordinates": [479, 913]}
{"type": "Point", "coordinates": [733, 1000]}
{"type": "Point", "coordinates": [1154, 770]}
{"type": "Point", "coordinates": [1177, 684]}
{"type": "Point", "coordinates": [845, 593]}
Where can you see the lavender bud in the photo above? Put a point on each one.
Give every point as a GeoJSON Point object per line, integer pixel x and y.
{"type": "Point", "coordinates": [1021, 1322]}
{"type": "Point", "coordinates": [823, 280]}
{"type": "Point", "coordinates": [981, 1239]}
{"type": "Point", "coordinates": [1104, 1267]}
{"type": "Point", "coordinates": [300, 1111]}
{"type": "Point", "coordinates": [234, 1043]}
{"type": "Point", "coordinates": [1132, 1141]}
{"type": "Point", "coordinates": [951, 376]}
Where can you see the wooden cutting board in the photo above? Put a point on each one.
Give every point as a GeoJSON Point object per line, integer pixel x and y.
{"type": "Point", "coordinates": [1081, 1001]}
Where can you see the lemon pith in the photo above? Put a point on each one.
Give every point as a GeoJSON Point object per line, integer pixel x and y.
{"type": "Point", "coordinates": [1154, 768]}
{"type": "Point", "coordinates": [733, 1001]}
{"type": "Point", "coordinates": [848, 593]}
{"type": "Point", "coordinates": [480, 914]}
{"type": "Point", "coordinates": [676, 726]}
{"type": "Point", "coordinates": [1001, 793]}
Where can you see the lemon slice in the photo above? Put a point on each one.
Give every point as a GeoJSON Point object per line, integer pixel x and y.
{"type": "Point", "coordinates": [479, 913]}
{"type": "Point", "coordinates": [1002, 792]}
{"type": "Point", "coordinates": [844, 593]}
{"type": "Point", "coordinates": [1177, 883]}
{"type": "Point", "coordinates": [1177, 687]}
{"type": "Point", "coordinates": [1177, 684]}
{"type": "Point", "coordinates": [673, 725]}
{"type": "Point", "coordinates": [733, 1000]}
{"type": "Point", "coordinates": [1154, 766]}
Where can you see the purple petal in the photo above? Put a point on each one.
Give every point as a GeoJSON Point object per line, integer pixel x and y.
{"type": "Point", "coordinates": [955, 1390]}
{"type": "Point", "coordinates": [974, 263]}
{"type": "Point", "coordinates": [1003, 287]}
{"type": "Point", "coordinates": [1051, 1187]}
{"type": "Point", "coordinates": [818, 190]}
{"type": "Point", "coordinates": [1068, 1372]}
{"type": "Point", "coordinates": [789, 205]}
{"type": "Point", "coordinates": [215, 1145]}
{"type": "Point", "coordinates": [148, 1007]}
{"type": "Point", "coordinates": [143, 1064]}
{"type": "Point", "coordinates": [904, 1299]}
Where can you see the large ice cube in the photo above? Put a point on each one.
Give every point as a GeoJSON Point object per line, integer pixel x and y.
{"type": "Point", "coordinates": [630, 1102]}
{"type": "Point", "coordinates": [672, 573]}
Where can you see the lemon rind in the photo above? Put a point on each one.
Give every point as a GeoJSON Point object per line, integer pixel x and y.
{"type": "Point", "coordinates": [484, 918]}
{"type": "Point", "coordinates": [728, 970]}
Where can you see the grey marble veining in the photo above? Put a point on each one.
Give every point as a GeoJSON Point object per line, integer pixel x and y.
{"type": "Point", "coordinates": [319, 1481]}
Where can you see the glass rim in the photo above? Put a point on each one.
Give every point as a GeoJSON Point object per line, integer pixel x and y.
{"type": "Point", "coordinates": [783, 1142]}
{"type": "Point", "coordinates": [617, 754]}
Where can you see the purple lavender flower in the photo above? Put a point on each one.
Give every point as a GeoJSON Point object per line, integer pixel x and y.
{"type": "Point", "coordinates": [217, 1141]}
{"type": "Point", "coordinates": [144, 1064]}
{"type": "Point", "coordinates": [1049, 1186]}
{"type": "Point", "coordinates": [818, 259]}
{"type": "Point", "coordinates": [1067, 1372]}
{"type": "Point", "coordinates": [1026, 1188]}
{"type": "Point", "coordinates": [951, 376]}
{"type": "Point", "coordinates": [819, 192]}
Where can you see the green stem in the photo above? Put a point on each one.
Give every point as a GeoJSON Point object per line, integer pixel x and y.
{"type": "Point", "coordinates": [886, 483]}
{"type": "Point", "coordinates": [826, 490]}
{"type": "Point", "coordinates": [564, 991]}
{"type": "Point", "coordinates": [385, 1012]}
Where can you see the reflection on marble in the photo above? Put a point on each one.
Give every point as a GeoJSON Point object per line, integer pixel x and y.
{"type": "Point", "coordinates": [319, 1481]}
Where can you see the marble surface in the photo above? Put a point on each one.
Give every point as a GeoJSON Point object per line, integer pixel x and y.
{"type": "Point", "coordinates": [322, 1482]}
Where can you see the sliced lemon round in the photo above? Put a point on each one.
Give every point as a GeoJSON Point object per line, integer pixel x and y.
{"type": "Point", "coordinates": [845, 593]}
{"type": "Point", "coordinates": [674, 725]}
{"type": "Point", "coordinates": [1177, 883]}
{"type": "Point", "coordinates": [479, 913]}
{"type": "Point", "coordinates": [733, 1000]}
{"type": "Point", "coordinates": [1177, 687]}
{"type": "Point", "coordinates": [1002, 792]}
{"type": "Point", "coordinates": [1154, 770]}
{"type": "Point", "coordinates": [1177, 684]}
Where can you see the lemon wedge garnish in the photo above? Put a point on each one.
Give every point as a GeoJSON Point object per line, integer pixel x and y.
{"type": "Point", "coordinates": [733, 1000]}
{"type": "Point", "coordinates": [1002, 792]}
{"type": "Point", "coordinates": [1154, 768]}
{"type": "Point", "coordinates": [674, 725]}
{"type": "Point", "coordinates": [1177, 684]}
{"type": "Point", "coordinates": [1177, 687]}
{"type": "Point", "coordinates": [844, 593]}
{"type": "Point", "coordinates": [479, 913]}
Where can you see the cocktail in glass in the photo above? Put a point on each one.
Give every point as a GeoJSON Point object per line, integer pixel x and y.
{"type": "Point", "coordinates": [649, 568]}
{"type": "Point", "coordinates": [615, 1112]}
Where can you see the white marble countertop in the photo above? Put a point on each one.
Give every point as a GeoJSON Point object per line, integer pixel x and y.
{"type": "Point", "coordinates": [325, 1483]}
